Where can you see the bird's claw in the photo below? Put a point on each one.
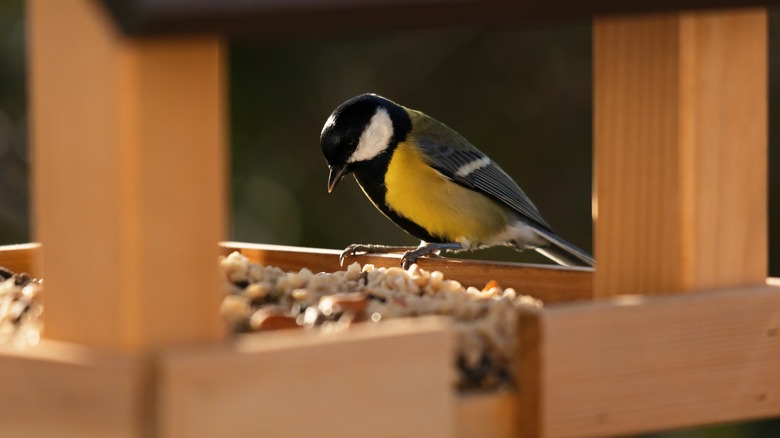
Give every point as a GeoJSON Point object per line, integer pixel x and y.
{"type": "Point", "coordinates": [408, 259]}
{"type": "Point", "coordinates": [410, 254]}
{"type": "Point", "coordinates": [351, 250]}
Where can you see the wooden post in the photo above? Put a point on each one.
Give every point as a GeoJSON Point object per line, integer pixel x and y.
{"type": "Point", "coordinates": [128, 144]}
{"type": "Point", "coordinates": [680, 129]}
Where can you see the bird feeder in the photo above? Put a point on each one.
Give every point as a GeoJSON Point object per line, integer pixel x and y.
{"type": "Point", "coordinates": [677, 326]}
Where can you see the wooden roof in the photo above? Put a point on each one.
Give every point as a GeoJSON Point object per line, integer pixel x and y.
{"type": "Point", "coordinates": [302, 18]}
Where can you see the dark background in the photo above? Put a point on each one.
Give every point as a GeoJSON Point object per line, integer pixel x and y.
{"type": "Point", "coordinates": [522, 95]}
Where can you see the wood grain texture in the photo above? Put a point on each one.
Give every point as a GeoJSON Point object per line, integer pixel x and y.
{"type": "Point", "coordinates": [490, 414]}
{"type": "Point", "coordinates": [724, 138]}
{"type": "Point", "coordinates": [528, 362]}
{"type": "Point", "coordinates": [680, 137]}
{"type": "Point", "coordinates": [128, 182]}
{"type": "Point", "coordinates": [25, 257]}
{"type": "Point", "coordinates": [551, 284]}
{"type": "Point", "coordinates": [67, 390]}
{"type": "Point", "coordinates": [388, 380]}
{"type": "Point", "coordinates": [639, 364]}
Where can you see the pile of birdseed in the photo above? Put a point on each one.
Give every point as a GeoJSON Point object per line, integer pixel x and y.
{"type": "Point", "coordinates": [261, 298]}
{"type": "Point", "coordinates": [20, 310]}
{"type": "Point", "coordinates": [264, 298]}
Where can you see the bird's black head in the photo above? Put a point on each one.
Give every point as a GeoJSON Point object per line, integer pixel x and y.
{"type": "Point", "coordinates": [361, 129]}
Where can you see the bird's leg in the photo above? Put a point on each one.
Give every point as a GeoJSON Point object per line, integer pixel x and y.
{"type": "Point", "coordinates": [426, 249]}
{"type": "Point", "coordinates": [357, 248]}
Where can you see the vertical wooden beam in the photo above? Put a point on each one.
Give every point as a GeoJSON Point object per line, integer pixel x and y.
{"type": "Point", "coordinates": [529, 372]}
{"type": "Point", "coordinates": [680, 126]}
{"type": "Point", "coordinates": [128, 144]}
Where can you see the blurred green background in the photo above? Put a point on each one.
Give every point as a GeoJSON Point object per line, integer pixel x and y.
{"type": "Point", "coordinates": [522, 95]}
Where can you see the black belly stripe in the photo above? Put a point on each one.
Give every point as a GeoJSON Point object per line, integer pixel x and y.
{"type": "Point", "coordinates": [370, 175]}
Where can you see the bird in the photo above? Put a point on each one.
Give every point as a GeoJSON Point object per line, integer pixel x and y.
{"type": "Point", "coordinates": [433, 183]}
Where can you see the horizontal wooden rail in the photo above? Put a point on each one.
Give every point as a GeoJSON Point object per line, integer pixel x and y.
{"type": "Point", "coordinates": [25, 257]}
{"type": "Point", "coordinates": [385, 380]}
{"type": "Point", "coordinates": [72, 391]}
{"type": "Point", "coordinates": [680, 361]}
{"type": "Point", "coordinates": [639, 364]}
{"type": "Point", "coordinates": [551, 284]}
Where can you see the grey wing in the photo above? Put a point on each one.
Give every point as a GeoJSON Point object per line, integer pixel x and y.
{"type": "Point", "coordinates": [471, 168]}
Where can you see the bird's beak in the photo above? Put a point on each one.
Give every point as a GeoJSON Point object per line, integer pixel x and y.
{"type": "Point", "coordinates": [336, 173]}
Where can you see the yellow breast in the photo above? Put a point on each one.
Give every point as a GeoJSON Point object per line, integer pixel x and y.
{"type": "Point", "coordinates": [443, 208]}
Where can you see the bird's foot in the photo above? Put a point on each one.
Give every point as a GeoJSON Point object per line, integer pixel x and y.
{"type": "Point", "coordinates": [357, 248]}
{"type": "Point", "coordinates": [426, 249]}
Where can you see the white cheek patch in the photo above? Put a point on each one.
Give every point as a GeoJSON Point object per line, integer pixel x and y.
{"type": "Point", "coordinates": [375, 138]}
{"type": "Point", "coordinates": [328, 123]}
{"type": "Point", "coordinates": [469, 168]}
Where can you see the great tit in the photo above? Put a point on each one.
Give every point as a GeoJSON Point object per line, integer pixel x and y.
{"type": "Point", "coordinates": [433, 183]}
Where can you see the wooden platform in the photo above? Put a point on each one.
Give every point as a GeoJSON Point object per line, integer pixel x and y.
{"type": "Point", "coordinates": [699, 358]}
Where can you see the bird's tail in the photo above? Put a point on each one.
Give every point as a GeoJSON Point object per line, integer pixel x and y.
{"type": "Point", "coordinates": [563, 252]}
